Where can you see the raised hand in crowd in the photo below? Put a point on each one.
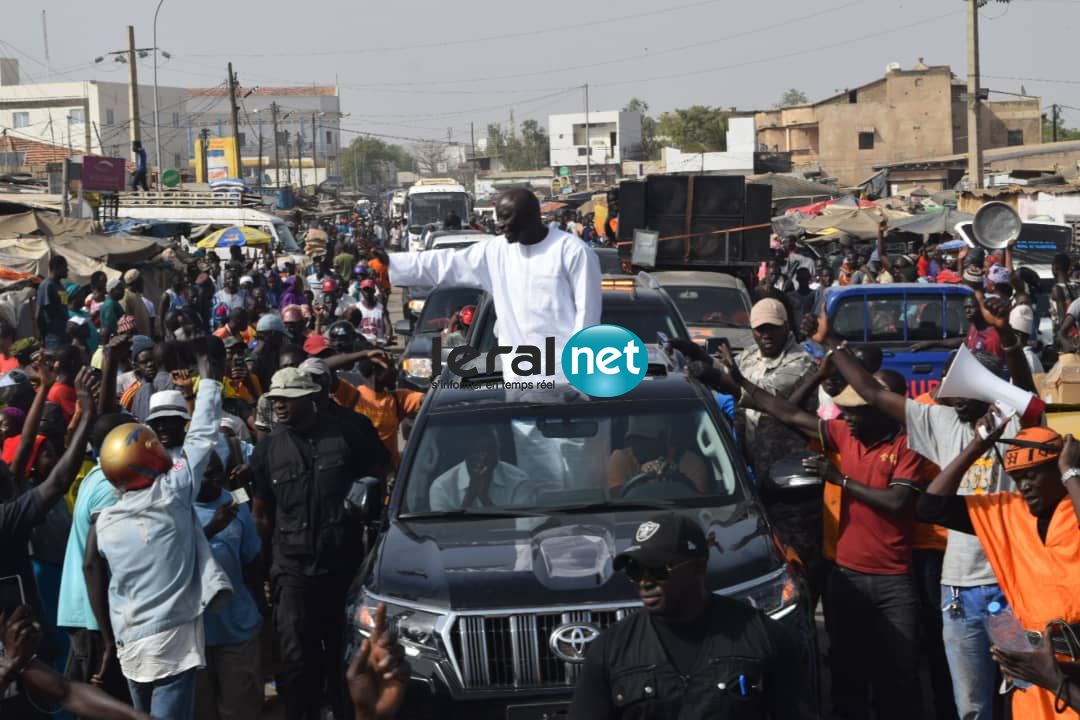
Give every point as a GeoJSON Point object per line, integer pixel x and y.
{"type": "Point", "coordinates": [378, 674]}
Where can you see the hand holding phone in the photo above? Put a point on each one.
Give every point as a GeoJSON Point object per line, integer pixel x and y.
{"type": "Point", "coordinates": [240, 496]}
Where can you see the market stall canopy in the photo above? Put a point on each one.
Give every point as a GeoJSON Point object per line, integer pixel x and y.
{"type": "Point", "coordinates": [817, 208]}
{"type": "Point", "coordinates": [236, 236]}
{"type": "Point", "coordinates": [550, 207]}
{"type": "Point", "coordinates": [931, 223]}
{"type": "Point", "coordinates": [37, 222]}
{"type": "Point", "coordinates": [31, 255]}
{"type": "Point", "coordinates": [860, 222]}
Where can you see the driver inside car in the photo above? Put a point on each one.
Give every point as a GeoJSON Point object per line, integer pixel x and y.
{"type": "Point", "coordinates": [481, 479]}
{"type": "Point", "coordinates": [648, 453]}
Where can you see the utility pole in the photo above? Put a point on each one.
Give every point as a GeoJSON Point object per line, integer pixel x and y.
{"type": "Point", "coordinates": [472, 139]}
{"type": "Point", "coordinates": [204, 135]}
{"type": "Point", "coordinates": [588, 145]}
{"type": "Point", "coordinates": [300, 157]}
{"type": "Point", "coordinates": [513, 128]}
{"type": "Point", "coordinates": [975, 156]}
{"type": "Point", "coordinates": [288, 163]}
{"type": "Point", "coordinates": [1054, 117]}
{"type": "Point", "coordinates": [277, 166]}
{"type": "Point", "coordinates": [133, 91]}
{"type": "Point", "coordinates": [259, 161]}
{"type": "Point", "coordinates": [314, 155]}
{"type": "Point", "coordinates": [235, 108]}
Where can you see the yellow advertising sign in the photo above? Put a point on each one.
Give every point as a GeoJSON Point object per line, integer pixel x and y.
{"type": "Point", "coordinates": [222, 159]}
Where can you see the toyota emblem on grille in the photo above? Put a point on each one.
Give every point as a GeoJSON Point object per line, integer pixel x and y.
{"type": "Point", "coordinates": [569, 641]}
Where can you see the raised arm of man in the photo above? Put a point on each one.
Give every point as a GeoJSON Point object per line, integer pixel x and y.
{"type": "Point", "coordinates": [584, 268]}
{"type": "Point", "coordinates": [463, 266]}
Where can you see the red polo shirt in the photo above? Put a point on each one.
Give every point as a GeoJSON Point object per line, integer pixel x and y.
{"type": "Point", "coordinates": [872, 541]}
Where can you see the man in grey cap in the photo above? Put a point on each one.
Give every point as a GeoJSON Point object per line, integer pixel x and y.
{"type": "Point", "coordinates": [315, 545]}
{"type": "Point", "coordinates": [690, 652]}
{"type": "Point", "coordinates": [270, 336]}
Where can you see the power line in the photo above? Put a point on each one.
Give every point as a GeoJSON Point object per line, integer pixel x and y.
{"type": "Point", "coordinates": [1033, 79]}
{"type": "Point", "coordinates": [607, 22]}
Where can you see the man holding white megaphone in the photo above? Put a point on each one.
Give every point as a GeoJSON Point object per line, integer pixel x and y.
{"type": "Point", "coordinates": [940, 433]}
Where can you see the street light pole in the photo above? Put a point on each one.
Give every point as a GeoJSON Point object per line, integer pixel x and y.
{"type": "Point", "coordinates": [157, 121]}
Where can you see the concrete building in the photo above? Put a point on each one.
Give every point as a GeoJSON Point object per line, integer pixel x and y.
{"type": "Point", "coordinates": [297, 107]}
{"type": "Point", "coordinates": [905, 115]}
{"type": "Point", "coordinates": [92, 117]}
{"type": "Point", "coordinates": [611, 138]}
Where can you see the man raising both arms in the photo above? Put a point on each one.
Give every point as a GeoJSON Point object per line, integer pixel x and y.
{"type": "Point", "coordinates": [545, 283]}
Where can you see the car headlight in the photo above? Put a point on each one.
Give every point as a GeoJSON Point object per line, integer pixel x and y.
{"type": "Point", "coordinates": [417, 367]}
{"type": "Point", "coordinates": [777, 596]}
{"type": "Point", "coordinates": [417, 630]}
{"type": "Point", "coordinates": [416, 305]}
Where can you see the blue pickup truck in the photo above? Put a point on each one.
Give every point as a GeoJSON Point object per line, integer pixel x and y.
{"type": "Point", "coordinates": [895, 317]}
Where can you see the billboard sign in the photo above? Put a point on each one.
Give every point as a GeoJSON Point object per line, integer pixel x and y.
{"type": "Point", "coordinates": [103, 173]}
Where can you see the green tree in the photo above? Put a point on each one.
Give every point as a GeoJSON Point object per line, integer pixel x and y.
{"type": "Point", "coordinates": [650, 148]}
{"type": "Point", "coordinates": [528, 150]}
{"type": "Point", "coordinates": [370, 161]}
{"type": "Point", "coordinates": [791, 97]}
{"type": "Point", "coordinates": [698, 128]}
{"type": "Point", "coordinates": [1063, 133]}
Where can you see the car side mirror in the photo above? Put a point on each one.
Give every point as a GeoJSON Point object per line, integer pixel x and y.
{"type": "Point", "coordinates": [403, 327]}
{"type": "Point", "coordinates": [788, 476]}
{"type": "Point", "coordinates": [365, 499]}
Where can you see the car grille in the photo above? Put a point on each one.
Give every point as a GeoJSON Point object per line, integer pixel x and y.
{"type": "Point", "coordinates": [507, 652]}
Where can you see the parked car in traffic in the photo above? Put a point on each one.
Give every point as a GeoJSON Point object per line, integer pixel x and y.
{"type": "Point", "coordinates": [714, 305]}
{"type": "Point", "coordinates": [495, 605]}
{"type": "Point", "coordinates": [439, 308]}
{"type": "Point", "coordinates": [895, 317]}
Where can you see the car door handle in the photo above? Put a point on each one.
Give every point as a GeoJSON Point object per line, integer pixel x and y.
{"type": "Point", "coordinates": [922, 369]}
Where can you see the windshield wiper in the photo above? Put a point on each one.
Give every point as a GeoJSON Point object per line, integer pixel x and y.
{"type": "Point", "coordinates": [469, 512]}
{"type": "Point", "coordinates": [615, 505]}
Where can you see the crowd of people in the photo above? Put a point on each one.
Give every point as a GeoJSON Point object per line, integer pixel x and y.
{"type": "Point", "coordinates": [179, 516]}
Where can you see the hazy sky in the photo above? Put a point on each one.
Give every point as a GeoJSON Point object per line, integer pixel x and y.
{"type": "Point", "coordinates": [414, 68]}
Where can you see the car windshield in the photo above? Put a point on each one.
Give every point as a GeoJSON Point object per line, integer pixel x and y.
{"type": "Point", "coordinates": [442, 304]}
{"type": "Point", "coordinates": [643, 320]}
{"type": "Point", "coordinates": [899, 318]}
{"type": "Point", "coordinates": [432, 208]}
{"type": "Point", "coordinates": [610, 264]}
{"type": "Point", "coordinates": [711, 305]}
{"type": "Point", "coordinates": [567, 456]}
{"type": "Point", "coordinates": [288, 242]}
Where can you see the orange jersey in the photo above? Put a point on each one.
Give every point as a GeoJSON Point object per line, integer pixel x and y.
{"type": "Point", "coordinates": [1041, 581]}
{"type": "Point", "coordinates": [386, 410]}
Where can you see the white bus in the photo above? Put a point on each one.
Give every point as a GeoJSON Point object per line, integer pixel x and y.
{"type": "Point", "coordinates": [430, 201]}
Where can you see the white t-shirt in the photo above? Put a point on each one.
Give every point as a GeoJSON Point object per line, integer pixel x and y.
{"type": "Point", "coordinates": [937, 433]}
{"type": "Point", "coordinates": [164, 654]}
{"type": "Point", "coordinates": [371, 320]}
{"type": "Point", "coordinates": [550, 289]}
{"type": "Point", "coordinates": [1074, 309]}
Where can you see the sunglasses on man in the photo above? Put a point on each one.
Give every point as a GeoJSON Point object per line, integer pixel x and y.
{"type": "Point", "coordinates": [638, 572]}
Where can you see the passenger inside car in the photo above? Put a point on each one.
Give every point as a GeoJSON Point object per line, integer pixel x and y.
{"type": "Point", "coordinates": [481, 479]}
{"type": "Point", "coordinates": [649, 452]}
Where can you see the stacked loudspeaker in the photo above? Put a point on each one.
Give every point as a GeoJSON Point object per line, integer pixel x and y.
{"type": "Point", "coordinates": [712, 202]}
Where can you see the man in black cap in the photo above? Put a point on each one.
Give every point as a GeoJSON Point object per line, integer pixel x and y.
{"type": "Point", "coordinates": [691, 654]}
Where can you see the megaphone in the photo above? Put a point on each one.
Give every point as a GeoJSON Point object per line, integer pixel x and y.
{"type": "Point", "coordinates": [996, 226]}
{"type": "Point", "coordinates": [968, 378]}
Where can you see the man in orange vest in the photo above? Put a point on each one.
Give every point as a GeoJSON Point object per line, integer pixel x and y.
{"type": "Point", "coordinates": [1031, 540]}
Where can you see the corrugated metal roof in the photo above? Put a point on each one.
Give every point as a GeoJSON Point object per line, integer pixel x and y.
{"type": "Point", "coordinates": [995, 155]}
{"type": "Point", "coordinates": [37, 153]}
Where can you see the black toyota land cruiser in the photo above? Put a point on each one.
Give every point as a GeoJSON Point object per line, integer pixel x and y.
{"type": "Point", "coordinates": [491, 603]}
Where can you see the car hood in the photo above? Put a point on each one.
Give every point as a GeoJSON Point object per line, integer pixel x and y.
{"type": "Point", "coordinates": [468, 564]}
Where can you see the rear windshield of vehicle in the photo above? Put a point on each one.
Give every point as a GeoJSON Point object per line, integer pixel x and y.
{"type": "Point", "coordinates": [724, 307]}
{"type": "Point", "coordinates": [899, 317]}
{"type": "Point", "coordinates": [442, 304]}
{"type": "Point", "coordinates": [558, 456]}
{"type": "Point", "coordinates": [643, 320]}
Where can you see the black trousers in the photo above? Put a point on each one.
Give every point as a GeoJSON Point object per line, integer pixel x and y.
{"type": "Point", "coordinates": [138, 180]}
{"type": "Point", "coordinates": [309, 616]}
{"type": "Point", "coordinates": [84, 660]}
{"type": "Point", "coordinates": [873, 627]}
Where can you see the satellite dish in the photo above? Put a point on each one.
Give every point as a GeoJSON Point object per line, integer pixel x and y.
{"type": "Point", "coordinates": [996, 226]}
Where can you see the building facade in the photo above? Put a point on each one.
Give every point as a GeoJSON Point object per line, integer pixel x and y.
{"type": "Point", "coordinates": [301, 111]}
{"type": "Point", "coordinates": [905, 115]}
{"type": "Point", "coordinates": [611, 138]}
{"type": "Point", "coordinates": [92, 117]}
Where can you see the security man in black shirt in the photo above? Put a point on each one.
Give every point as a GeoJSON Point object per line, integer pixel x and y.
{"type": "Point", "coordinates": [303, 471]}
{"type": "Point", "coordinates": [690, 654]}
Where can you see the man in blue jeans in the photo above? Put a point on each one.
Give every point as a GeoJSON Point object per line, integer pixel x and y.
{"type": "Point", "coordinates": [163, 573]}
{"type": "Point", "coordinates": [940, 433]}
